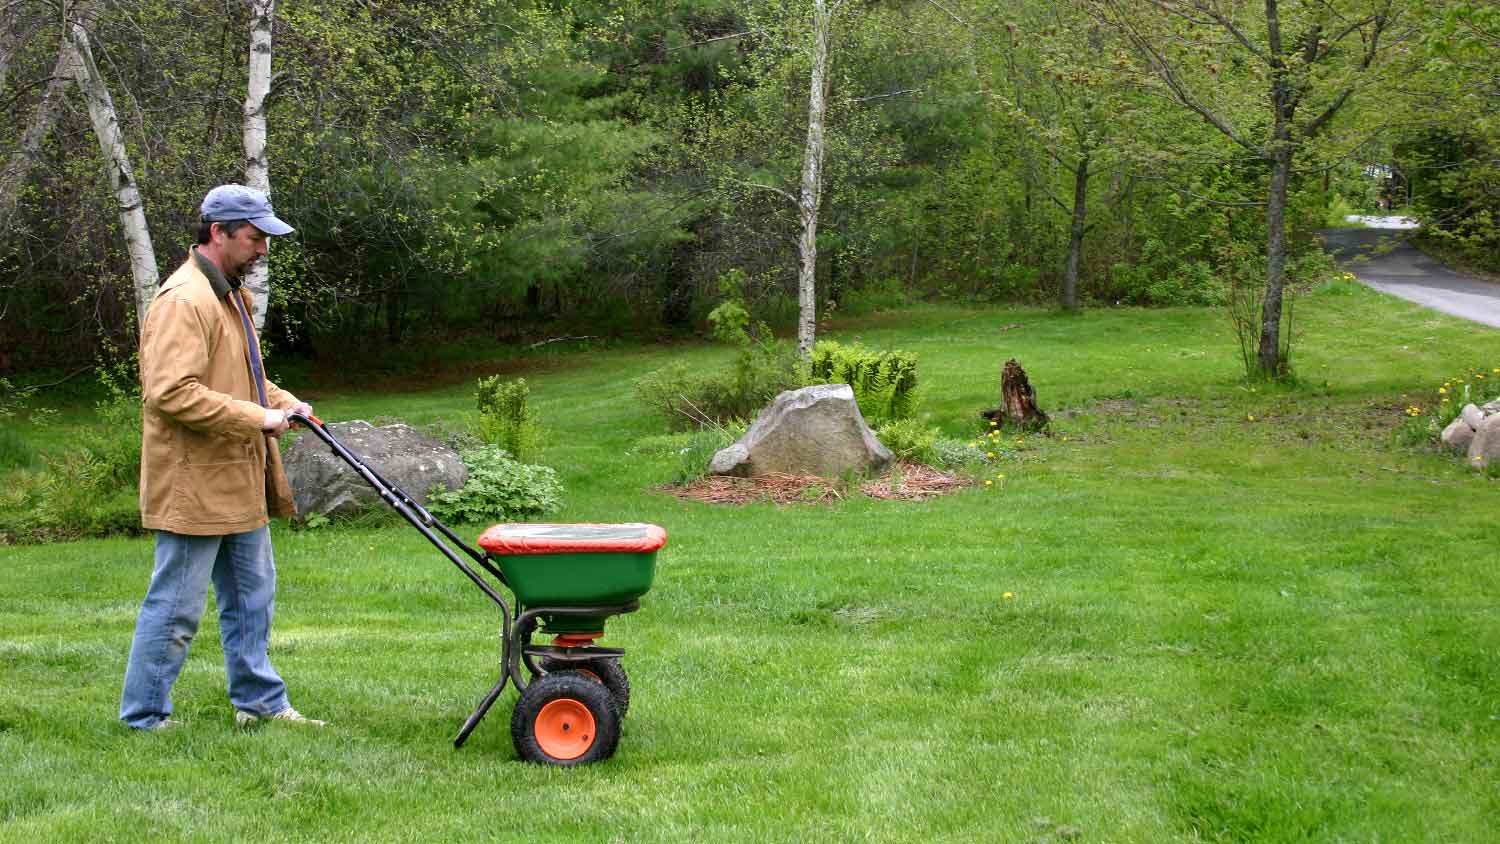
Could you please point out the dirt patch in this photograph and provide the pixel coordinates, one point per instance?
(913, 482)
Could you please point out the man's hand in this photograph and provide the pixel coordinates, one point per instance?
(301, 407)
(275, 423)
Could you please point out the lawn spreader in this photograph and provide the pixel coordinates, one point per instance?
(566, 579)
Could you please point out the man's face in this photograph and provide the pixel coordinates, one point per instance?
(242, 249)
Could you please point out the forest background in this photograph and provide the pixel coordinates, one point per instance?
(620, 167)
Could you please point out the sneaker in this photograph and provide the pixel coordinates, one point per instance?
(163, 724)
(250, 719)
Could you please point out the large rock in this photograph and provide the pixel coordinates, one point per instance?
(323, 483)
(812, 431)
(1485, 449)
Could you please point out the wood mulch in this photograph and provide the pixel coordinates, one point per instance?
(915, 482)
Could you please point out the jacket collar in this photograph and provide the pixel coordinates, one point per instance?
(221, 283)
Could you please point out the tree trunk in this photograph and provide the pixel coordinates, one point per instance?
(18, 168)
(1017, 401)
(812, 188)
(1075, 235)
(1271, 364)
(117, 168)
(257, 167)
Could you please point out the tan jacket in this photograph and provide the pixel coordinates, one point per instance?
(206, 467)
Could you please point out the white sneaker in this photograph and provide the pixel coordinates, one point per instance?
(163, 724)
(250, 719)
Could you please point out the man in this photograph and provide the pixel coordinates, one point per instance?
(211, 474)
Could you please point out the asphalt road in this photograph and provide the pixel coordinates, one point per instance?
(1381, 258)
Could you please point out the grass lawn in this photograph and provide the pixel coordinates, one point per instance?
(1198, 612)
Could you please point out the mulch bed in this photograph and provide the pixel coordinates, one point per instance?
(916, 482)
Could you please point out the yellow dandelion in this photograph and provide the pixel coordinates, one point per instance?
(990, 455)
(1008, 595)
(989, 483)
(1442, 391)
(1249, 418)
(1000, 477)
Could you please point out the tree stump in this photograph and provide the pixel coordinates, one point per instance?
(1017, 401)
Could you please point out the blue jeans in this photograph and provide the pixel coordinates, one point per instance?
(243, 572)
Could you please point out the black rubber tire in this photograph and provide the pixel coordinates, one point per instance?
(565, 685)
(606, 670)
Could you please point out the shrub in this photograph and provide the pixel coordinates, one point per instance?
(685, 398)
(884, 382)
(909, 439)
(498, 488)
(505, 418)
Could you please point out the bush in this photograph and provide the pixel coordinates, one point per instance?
(498, 489)
(909, 439)
(505, 418)
(884, 382)
(685, 398)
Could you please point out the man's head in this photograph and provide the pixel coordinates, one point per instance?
(236, 224)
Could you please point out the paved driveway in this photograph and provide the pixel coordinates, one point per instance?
(1381, 258)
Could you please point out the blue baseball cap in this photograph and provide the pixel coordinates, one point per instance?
(237, 202)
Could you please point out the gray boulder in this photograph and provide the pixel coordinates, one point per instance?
(812, 431)
(1485, 448)
(1472, 416)
(1458, 435)
(323, 483)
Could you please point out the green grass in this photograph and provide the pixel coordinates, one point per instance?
(1220, 629)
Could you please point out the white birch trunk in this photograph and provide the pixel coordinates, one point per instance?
(117, 167)
(257, 166)
(18, 167)
(812, 184)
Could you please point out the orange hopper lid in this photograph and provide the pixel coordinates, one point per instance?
(572, 539)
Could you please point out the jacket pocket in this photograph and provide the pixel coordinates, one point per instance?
(216, 492)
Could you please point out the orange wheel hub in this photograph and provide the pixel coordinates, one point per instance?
(564, 728)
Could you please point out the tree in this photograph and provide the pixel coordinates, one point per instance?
(1270, 82)
(257, 166)
(121, 178)
(811, 195)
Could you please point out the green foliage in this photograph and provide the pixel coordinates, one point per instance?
(884, 382)
(498, 489)
(689, 452)
(684, 397)
(505, 417)
(950, 453)
(880, 295)
(763, 367)
(909, 439)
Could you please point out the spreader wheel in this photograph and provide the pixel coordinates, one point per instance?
(564, 718)
(607, 672)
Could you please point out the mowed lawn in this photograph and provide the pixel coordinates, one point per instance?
(1197, 612)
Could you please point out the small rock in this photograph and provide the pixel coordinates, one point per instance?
(1472, 415)
(1458, 435)
(1485, 447)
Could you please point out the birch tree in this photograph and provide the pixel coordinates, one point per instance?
(85, 71)
(257, 166)
(43, 116)
(811, 196)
